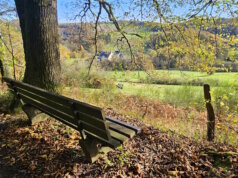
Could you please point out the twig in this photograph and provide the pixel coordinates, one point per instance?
(202, 8)
(7, 11)
(95, 37)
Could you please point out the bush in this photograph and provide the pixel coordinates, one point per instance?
(76, 74)
(226, 99)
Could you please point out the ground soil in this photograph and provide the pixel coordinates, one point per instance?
(50, 149)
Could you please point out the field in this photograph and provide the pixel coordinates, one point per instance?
(169, 100)
(176, 87)
(177, 77)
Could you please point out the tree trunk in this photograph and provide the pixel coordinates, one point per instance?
(39, 27)
(210, 114)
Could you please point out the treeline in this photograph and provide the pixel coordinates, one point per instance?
(161, 47)
(184, 46)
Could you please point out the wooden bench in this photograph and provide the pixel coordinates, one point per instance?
(99, 133)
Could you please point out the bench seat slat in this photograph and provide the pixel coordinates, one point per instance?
(121, 129)
(82, 116)
(83, 107)
(52, 104)
(95, 130)
(91, 120)
(121, 138)
(136, 129)
(63, 117)
(48, 109)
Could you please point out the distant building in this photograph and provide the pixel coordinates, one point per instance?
(109, 55)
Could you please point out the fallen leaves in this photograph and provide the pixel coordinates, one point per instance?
(44, 156)
(51, 149)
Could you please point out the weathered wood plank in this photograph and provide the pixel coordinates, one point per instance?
(121, 138)
(65, 109)
(91, 120)
(68, 120)
(82, 107)
(136, 129)
(121, 129)
(95, 130)
(46, 101)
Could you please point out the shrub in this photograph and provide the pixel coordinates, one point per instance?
(76, 74)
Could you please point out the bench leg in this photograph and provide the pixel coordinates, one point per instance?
(92, 149)
(34, 115)
(14, 103)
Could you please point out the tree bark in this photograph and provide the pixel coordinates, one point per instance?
(1, 69)
(39, 27)
(210, 114)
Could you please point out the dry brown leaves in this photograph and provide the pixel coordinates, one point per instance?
(156, 109)
(51, 150)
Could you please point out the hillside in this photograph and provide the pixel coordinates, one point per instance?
(153, 44)
(35, 151)
(78, 42)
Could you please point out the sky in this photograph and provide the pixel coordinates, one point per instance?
(66, 12)
(63, 11)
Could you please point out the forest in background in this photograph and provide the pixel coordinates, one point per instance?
(188, 48)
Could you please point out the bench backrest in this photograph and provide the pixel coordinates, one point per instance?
(76, 114)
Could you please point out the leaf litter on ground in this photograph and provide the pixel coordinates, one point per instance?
(51, 149)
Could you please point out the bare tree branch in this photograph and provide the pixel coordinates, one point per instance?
(95, 36)
(4, 12)
(202, 8)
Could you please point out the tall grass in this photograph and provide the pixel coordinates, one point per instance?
(99, 88)
(76, 74)
(185, 96)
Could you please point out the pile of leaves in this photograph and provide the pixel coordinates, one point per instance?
(52, 149)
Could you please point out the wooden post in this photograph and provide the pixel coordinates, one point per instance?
(210, 114)
(1, 69)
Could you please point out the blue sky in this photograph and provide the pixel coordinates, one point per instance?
(66, 12)
(63, 11)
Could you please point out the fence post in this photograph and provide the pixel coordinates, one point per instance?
(1, 69)
(210, 114)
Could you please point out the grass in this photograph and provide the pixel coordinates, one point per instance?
(190, 120)
(175, 77)
(137, 83)
(177, 109)
(174, 94)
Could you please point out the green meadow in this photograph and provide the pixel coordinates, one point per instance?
(176, 77)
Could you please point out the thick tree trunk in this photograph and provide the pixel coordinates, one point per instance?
(39, 26)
